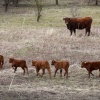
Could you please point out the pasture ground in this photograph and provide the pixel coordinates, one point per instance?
(24, 38)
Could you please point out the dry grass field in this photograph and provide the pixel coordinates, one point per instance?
(24, 38)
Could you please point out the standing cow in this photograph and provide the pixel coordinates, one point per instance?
(78, 23)
(90, 66)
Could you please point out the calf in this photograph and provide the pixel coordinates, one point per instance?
(90, 66)
(18, 63)
(41, 65)
(1, 61)
(61, 65)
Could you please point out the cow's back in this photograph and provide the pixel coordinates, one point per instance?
(42, 64)
(95, 65)
(62, 64)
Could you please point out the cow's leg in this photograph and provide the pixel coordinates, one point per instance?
(37, 71)
(64, 73)
(71, 31)
(88, 31)
(89, 74)
(0, 66)
(60, 72)
(92, 73)
(15, 69)
(66, 70)
(26, 69)
(43, 71)
(75, 31)
(23, 70)
(55, 72)
(2, 62)
(49, 71)
(99, 72)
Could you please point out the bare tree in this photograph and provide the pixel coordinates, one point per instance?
(57, 2)
(39, 8)
(15, 2)
(96, 3)
(7, 2)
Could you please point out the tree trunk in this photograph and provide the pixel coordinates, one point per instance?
(6, 5)
(57, 2)
(16, 2)
(39, 8)
(96, 3)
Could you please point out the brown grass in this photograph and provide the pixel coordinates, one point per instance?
(49, 43)
(20, 37)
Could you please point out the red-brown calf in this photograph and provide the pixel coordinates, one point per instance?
(1, 61)
(90, 66)
(61, 65)
(18, 63)
(41, 65)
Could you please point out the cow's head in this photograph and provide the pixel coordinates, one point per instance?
(11, 60)
(66, 20)
(33, 63)
(84, 64)
(53, 62)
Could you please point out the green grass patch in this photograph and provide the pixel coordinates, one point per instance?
(51, 16)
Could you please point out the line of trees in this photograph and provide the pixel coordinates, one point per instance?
(15, 2)
(7, 2)
(39, 5)
(96, 1)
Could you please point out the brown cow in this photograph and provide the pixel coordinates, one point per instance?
(41, 65)
(78, 23)
(1, 61)
(18, 63)
(90, 66)
(61, 65)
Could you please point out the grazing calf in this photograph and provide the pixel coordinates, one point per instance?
(41, 65)
(90, 66)
(61, 65)
(18, 63)
(1, 61)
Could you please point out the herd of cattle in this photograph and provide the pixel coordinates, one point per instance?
(72, 25)
(59, 65)
(78, 23)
